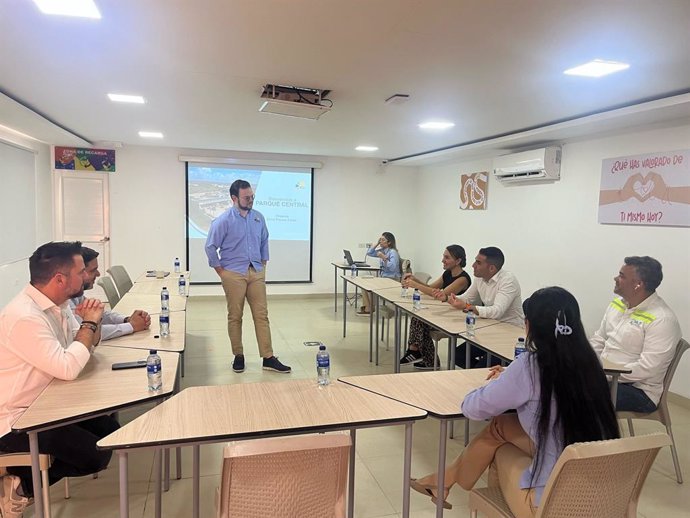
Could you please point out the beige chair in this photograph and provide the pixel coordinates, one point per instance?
(303, 476)
(121, 278)
(14, 460)
(601, 479)
(110, 291)
(661, 413)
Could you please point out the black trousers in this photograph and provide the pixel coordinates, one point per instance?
(73, 448)
(477, 357)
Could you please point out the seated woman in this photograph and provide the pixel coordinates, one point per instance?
(561, 396)
(387, 252)
(420, 346)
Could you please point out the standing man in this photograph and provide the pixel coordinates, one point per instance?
(496, 294)
(113, 324)
(237, 248)
(639, 331)
(41, 340)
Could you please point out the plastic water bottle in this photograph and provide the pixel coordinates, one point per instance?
(323, 366)
(416, 300)
(353, 270)
(177, 265)
(182, 285)
(154, 370)
(164, 320)
(520, 347)
(403, 292)
(165, 298)
(470, 321)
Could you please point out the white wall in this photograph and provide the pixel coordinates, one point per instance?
(14, 275)
(354, 201)
(549, 232)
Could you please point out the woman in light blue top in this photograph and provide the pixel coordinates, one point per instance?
(387, 252)
(561, 396)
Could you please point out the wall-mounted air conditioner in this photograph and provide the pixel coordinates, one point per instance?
(528, 166)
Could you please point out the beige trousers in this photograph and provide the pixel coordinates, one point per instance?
(250, 286)
(505, 444)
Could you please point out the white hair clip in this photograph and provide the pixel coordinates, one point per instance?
(563, 329)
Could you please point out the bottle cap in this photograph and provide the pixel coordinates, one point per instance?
(322, 347)
(153, 351)
(165, 288)
(521, 339)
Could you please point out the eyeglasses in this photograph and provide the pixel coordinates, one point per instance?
(247, 198)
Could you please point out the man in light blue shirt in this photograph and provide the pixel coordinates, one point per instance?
(237, 248)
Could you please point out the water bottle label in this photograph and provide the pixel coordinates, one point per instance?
(323, 362)
(470, 320)
(519, 350)
(153, 369)
(164, 319)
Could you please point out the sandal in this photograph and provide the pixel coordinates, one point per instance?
(429, 491)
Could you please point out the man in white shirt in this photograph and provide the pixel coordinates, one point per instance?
(639, 331)
(40, 340)
(495, 294)
(113, 324)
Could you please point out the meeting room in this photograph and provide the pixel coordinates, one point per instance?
(344, 259)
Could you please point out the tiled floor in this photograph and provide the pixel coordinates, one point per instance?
(379, 451)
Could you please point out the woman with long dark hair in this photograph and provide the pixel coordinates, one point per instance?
(454, 281)
(561, 395)
(387, 252)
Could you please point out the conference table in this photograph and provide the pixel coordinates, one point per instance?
(247, 411)
(438, 393)
(346, 268)
(97, 391)
(149, 276)
(149, 302)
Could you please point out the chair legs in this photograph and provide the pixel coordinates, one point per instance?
(46, 493)
(67, 495)
(630, 428)
(674, 454)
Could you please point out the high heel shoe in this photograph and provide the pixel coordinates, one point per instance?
(429, 491)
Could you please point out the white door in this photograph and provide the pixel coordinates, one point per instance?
(82, 213)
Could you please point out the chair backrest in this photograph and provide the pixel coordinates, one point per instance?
(405, 266)
(303, 476)
(423, 277)
(121, 278)
(601, 479)
(682, 346)
(107, 284)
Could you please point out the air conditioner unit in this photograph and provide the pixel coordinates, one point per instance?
(529, 166)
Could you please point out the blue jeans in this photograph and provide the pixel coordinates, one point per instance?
(632, 399)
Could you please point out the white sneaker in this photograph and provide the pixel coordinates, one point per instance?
(12, 505)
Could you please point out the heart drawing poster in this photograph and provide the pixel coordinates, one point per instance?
(651, 189)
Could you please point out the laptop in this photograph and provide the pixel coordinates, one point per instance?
(350, 262)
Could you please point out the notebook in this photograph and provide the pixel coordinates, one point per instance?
(350, 262)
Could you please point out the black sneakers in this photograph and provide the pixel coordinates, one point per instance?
(272, 364)
(411, 357)
(238, 364)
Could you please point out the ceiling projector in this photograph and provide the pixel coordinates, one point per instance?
(295, 101)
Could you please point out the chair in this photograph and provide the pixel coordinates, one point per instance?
(601, 479)
(661, 413)
(110, 291)
(121, 278)
(9, 460)
(303, 476)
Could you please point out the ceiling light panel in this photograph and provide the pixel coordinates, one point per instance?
(366, 148)
(436, 125)
(123, 98)
(78, 8)
(150, 134)
(596, 68)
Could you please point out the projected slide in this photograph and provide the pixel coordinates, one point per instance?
(283, 197)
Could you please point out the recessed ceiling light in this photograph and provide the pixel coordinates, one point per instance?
(596, 68)
(123, 98)
(151, 134)
(366, 148)
(436, 125)
(80, 8)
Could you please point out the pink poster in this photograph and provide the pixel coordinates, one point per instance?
(650, 189)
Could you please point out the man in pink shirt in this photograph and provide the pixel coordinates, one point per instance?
(40, 339)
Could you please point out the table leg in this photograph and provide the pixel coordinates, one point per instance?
(158, 469)
(351, 476)
(453, 344)
(344, 307)
(614, 388)
(378, 322)
(196, 459)
(407, 467)
(124, 489)
(166, 470)
(36, 473)
(396, 339)
(441, 468)
(374, 301)
(335, 289)
(182, 364)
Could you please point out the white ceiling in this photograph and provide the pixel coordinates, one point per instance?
(494, 67)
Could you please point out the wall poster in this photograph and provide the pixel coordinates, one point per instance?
(474, 191)
(84, 159)
(649, 189)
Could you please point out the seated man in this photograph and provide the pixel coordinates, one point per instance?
(40, 340)
(113, 324)
(639, 331)
(496, 294)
